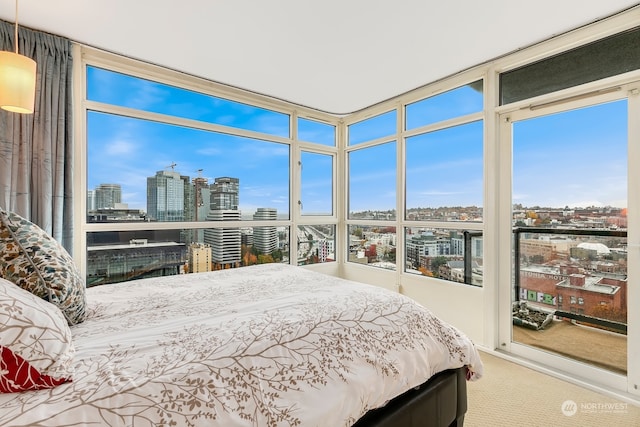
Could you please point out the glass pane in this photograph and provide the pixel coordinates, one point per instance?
(571, 160)
(373, 245)
(318, 132)
(572, 289)
(454, 103)
(570, 216)
(317, 184)
(161, 172)
(454, 255)
(444, 174)
(372, 182)
(123, 90)
(119, 256)
(373, 128)
(316, 243)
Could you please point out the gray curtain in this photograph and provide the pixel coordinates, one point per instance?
(36, 152)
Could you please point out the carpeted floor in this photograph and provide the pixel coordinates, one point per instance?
(512, 395)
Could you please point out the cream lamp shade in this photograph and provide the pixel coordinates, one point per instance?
(17, 82)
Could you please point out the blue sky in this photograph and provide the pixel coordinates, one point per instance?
(576, 158)
(126, 150)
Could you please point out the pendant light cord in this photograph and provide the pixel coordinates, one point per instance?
(16, 29)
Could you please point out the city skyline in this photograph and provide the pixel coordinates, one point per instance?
(516, 205)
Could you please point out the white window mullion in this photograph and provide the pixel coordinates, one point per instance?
(633, 241)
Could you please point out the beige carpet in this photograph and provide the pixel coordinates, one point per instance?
(512, 395)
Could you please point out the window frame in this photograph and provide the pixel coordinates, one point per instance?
(92, 57)
(399, 275)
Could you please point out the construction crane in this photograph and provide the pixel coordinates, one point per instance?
(172, 166)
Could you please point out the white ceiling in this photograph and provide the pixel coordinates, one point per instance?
(337, 56)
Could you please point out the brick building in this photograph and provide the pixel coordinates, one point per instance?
(567, 289)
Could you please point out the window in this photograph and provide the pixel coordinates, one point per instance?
(119, 89)
(118, 256)
(573, 299)
(454, 255)
(317, 184)
(444, 174)
(444, 183)
(372, 175)
(316, 243)
(163, 172)
(457, 102)
(373, 245)
(580, 300)
(157, 153)
(372, 182)
(314, 131)
(372, 128)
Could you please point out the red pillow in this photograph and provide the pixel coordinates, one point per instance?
(36, 346)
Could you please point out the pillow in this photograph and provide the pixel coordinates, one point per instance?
(36, 347)
(33, 260)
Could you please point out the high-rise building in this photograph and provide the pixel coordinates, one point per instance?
(323, 250)
(225, 242)
(201, 198)
(201, 204)
(165, 196)
(199, 257)
(91, 200)
(107, 195)
(225, 194)
(188, 235)
(265, 238)
(188, 198)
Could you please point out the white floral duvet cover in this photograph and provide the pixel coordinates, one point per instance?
(268, 345)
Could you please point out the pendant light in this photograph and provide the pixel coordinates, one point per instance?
(17, 79)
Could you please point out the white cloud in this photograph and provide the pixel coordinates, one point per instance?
(120, 147)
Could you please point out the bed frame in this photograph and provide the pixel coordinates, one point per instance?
(439, 402)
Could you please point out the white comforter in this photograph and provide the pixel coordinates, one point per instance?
(269, 345)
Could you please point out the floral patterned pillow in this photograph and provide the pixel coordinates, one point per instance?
(36, 347)
(33, 260)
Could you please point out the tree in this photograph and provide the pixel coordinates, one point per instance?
(425, 272)
(277, 255)
(392, 254)
(265, 259)
(249, 259)
(437, 262)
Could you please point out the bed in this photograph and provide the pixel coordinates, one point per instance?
(267, 345)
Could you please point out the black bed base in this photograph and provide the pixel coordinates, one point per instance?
(439, 402)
